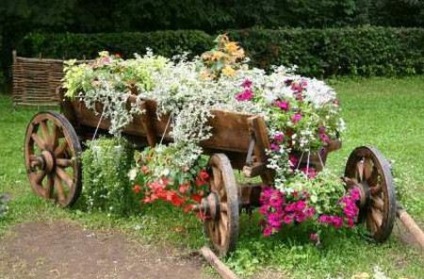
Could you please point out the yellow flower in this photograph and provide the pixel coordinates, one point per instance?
(217, 55)
(231, 47)
(228, 71)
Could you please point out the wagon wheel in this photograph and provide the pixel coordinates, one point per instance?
(52, 151)
(222, 222)
(368, 169)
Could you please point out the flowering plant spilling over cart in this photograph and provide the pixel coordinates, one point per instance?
(195, 122)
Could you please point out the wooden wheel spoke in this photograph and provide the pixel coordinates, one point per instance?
(222, 228)
(217, 180)
(64, 177)
(368, 169)
(45, 131)
(38, 141)
(378, 203)
(55, 137)
(60, 148)
(377, 217)
(373, 177)
(372, 226)
(64, 163)
(360, 170)
(59, 189)
(49, 186)
(376, 189)
(223, 207)
(38, 177)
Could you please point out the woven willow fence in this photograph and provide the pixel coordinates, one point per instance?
(35, 80)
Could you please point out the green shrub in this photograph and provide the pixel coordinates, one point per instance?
(106, 185)
(68, 45)
(365, 51)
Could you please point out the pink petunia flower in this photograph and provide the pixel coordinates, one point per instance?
(296, 118)
(284, 105)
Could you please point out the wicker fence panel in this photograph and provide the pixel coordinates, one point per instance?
(35, 80)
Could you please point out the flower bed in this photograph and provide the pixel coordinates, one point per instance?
(302, 116)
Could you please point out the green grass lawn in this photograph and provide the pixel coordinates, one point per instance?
(386, 113)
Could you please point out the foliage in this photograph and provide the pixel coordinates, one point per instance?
(109, 81)
(364, 51)
(81, 46)
(106, 163)
(302, 115)
(158, 176)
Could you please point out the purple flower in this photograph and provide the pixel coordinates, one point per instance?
(324, 137)
(287, 219)
(300, 205)
(274, 220)
(296, 118)
(268, 231)
(324, 219)
(279, 137)
(300, 217)
(276, 202)
(246, 95)
(290, 207)
(246, 83)
(284, 105)
(274, 147)
(337, 221)
(310, 211)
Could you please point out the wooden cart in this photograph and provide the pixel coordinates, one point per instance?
(53, 151)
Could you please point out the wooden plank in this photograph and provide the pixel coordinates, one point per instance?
(411, 226)
(259, 131)
(216, 263)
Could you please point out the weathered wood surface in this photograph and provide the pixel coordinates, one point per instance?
(411, 226)
(216, 263)
(230, 130)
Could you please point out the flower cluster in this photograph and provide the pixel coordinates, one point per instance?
(156, 178)
(224, 59)
(280, 209)
(302, 115)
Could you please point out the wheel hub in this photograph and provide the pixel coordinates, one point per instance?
(45, 161)
(210, 206)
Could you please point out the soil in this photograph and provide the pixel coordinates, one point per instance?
(60, 249)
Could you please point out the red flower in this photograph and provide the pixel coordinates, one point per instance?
(177, 200)
(202, 178)
(136, 189)
(184, 188)
(197, 198)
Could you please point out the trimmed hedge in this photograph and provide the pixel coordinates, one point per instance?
(364, 51)
(80, 46)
